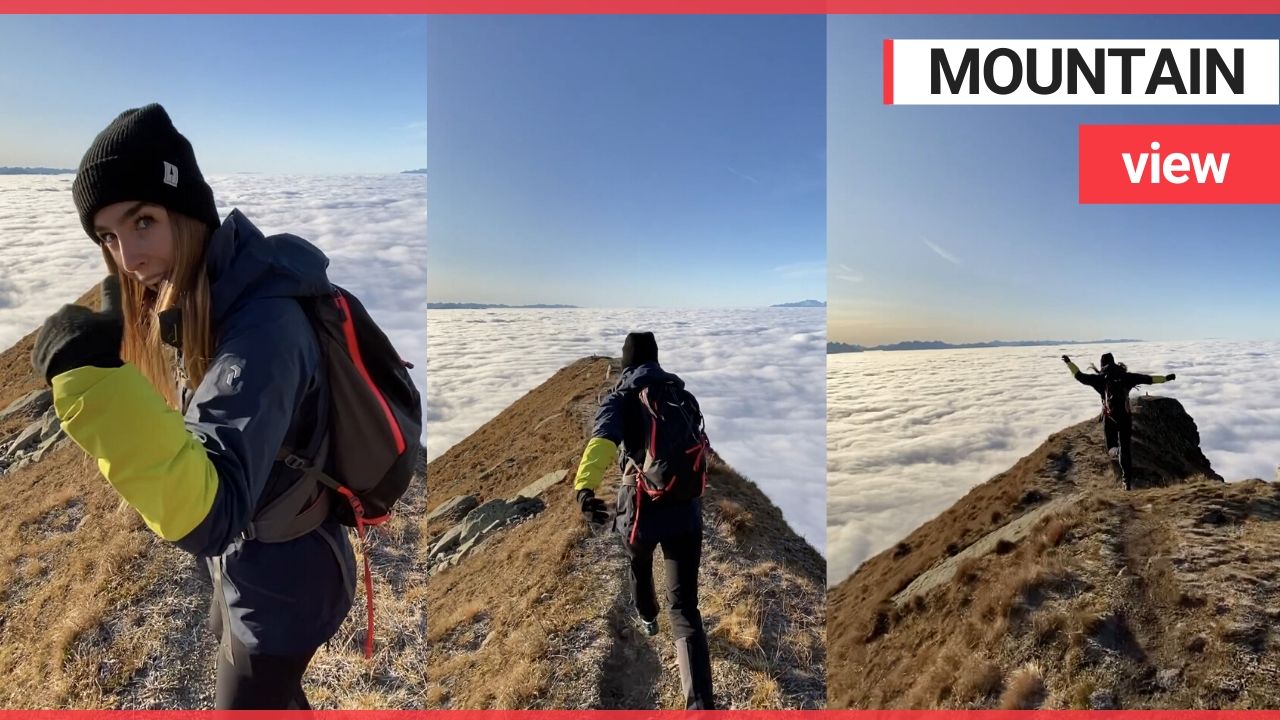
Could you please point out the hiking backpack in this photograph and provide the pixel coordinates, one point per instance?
(362, 459)
(375, 416)
(1115, 393)
(671, 463)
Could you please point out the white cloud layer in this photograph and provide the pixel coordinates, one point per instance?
(909, 433)
(373, 228)
(759, 375)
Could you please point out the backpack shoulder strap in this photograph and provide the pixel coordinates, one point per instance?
(303, 506)
(693, 401)
(300, 509)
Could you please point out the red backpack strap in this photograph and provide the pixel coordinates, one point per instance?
(357, 510)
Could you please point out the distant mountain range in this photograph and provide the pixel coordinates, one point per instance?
(419, 171)
(834, 348)
(803, 304)
(35, 171)
(839, 347)
(493, 306)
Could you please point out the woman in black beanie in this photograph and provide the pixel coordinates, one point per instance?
(200, 366)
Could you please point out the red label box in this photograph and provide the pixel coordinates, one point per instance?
(1179, 164)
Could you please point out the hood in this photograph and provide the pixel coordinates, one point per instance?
(645, 375)
(1115, 370)
(243, 263)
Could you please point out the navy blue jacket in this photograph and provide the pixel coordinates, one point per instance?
(263, 389)
(618, 420)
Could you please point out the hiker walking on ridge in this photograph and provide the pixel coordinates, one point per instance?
(1113, 383)
(655, 427)
(232, 462)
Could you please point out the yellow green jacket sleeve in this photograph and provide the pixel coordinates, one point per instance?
(602, 450)
(197, 478)
(597, 458)
(150, 458)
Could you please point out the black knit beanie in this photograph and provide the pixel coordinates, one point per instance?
(142, 157)
(1106, 360)
(639, 348)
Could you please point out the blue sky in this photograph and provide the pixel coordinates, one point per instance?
(993, 189)
(280, 94)
(627, 161)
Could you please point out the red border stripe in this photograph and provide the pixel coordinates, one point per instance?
(639, 715)
(888, 71)
(616, 7)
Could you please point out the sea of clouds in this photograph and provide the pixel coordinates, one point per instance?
(759, 376)
(372, 227)
(910, 432)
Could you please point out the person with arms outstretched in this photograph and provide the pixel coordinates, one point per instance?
(1113, 382)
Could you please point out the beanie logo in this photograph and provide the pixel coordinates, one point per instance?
(170, 174)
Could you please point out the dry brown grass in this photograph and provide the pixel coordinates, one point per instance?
(742, 626)
(979, 679)
(463, 613)
(1022, 589)
(934, 684)
(997, 630)
(734, 517)
(1049, 626)
(1055, 529)
(1025, 689)
(60, 581)
(967, 572)
(436, 695)
(1080, 694)
(766, 693)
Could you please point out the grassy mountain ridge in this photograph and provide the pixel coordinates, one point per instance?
(536, 615)
(1050, 586)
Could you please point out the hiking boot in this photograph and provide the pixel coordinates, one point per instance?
(648, 627)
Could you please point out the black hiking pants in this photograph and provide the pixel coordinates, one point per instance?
(1119, 434)
(681, 556)
(260, 682)
(253, 681)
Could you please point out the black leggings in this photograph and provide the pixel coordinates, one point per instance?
(260, 682)
(682, 555)
(253, 681)
(1119, 434)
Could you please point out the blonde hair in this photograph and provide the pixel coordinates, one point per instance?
(186, 288)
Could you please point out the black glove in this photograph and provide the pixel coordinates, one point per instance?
(1066, 359)
(76, 336)
(1169, 377)
(593, 508)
